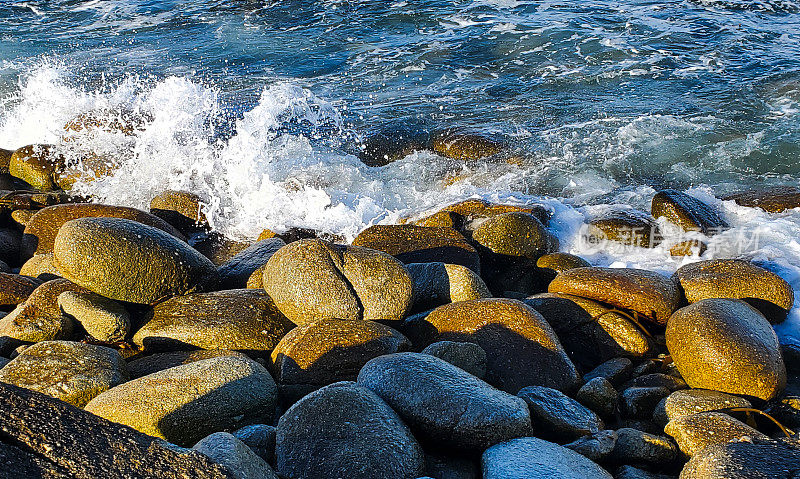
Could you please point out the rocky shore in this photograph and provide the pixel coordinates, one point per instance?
(458, 344)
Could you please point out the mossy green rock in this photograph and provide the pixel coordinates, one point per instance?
(331, 350)
(646, 292)
(40, 232)
(738, 279)
(186, 403)
(726, 345)
(521, 347)
(314, 279)
(128, 261)
(39, 317)
(515, 234)
(237, 319)
(70, 371)
(687, 212)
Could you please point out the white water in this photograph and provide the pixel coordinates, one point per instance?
(262, 177)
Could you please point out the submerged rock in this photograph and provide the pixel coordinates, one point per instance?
(130, 261)
(687, 212)
(393, 142)
(462, 145)
(628, 227)
(772, 200)
(726, 345)
(345, 430)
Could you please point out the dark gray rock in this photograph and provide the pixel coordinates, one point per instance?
(595, 446)
(654, 380)
(555, 414)
(44, 437)
(225, 449)
(260, 438)
(533, 458)
(451, 467)
(755, 459)
(638, 447)
(233, 274)
(630, 472)
(616, 371)
(599, 396)
(639, 403)
(445, 404)
(468, 356)
(345, 430)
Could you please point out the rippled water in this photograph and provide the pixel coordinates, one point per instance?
(260, 105)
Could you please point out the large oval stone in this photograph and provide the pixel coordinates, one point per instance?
(516, 235)
(331, 350)
(687, 212)
(238, 319)
(419, 244)
(739, 279)
(651, 294)
(728, 346)
(445, 404)
(40, 232)
(521, 347)
(186, 403)
(128, 261)
(533, 458)
(314, 279)
(70, 371)
(39, 318)
(345, 430)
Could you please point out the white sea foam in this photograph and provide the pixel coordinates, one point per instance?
(266, 175)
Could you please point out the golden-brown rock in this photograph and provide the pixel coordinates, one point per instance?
(40, 233)
(521, 347)
(129, 261)
(5, 159)
(313, 279)
(651, 294)
(419, 244)
(739, 279)
(692, 401)
(476, 208)
(39, 317)
(181, 209)
(515, 234)
(331, 350)
(695, 432)
(440, 283)
(15, 288)
(558, 262)
(66, 370)
(687, 212)
(238, 319)
(38, 165)
(462, 145)
(726, 345)
(629, 227)
(773, 200)
(39, 265)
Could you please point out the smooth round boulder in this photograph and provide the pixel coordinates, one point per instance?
(182, 209)
(441, 283)
(66, 370)
(444, 404)
(40, 232)
(687, 212)
(533, 458)
(693, 401)
(223, 448)
(755, 459)
(186, 403)
(738, 279)
(463, 145)
(521, 347)
(726, 345)
(651, 294)
(332, 350)
(468, 356)
(591, 332)
(104, 319)
(39, 317)
(144, 365)
(695, 432)
(345, 430)
(237, 319)
(313, 279)
(553, 263)
(555, 414)
(128, 261)
(260, 438)
(38, 165)
(419, 244)
(516, 235)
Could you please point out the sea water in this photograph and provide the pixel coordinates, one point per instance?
(261, 107)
